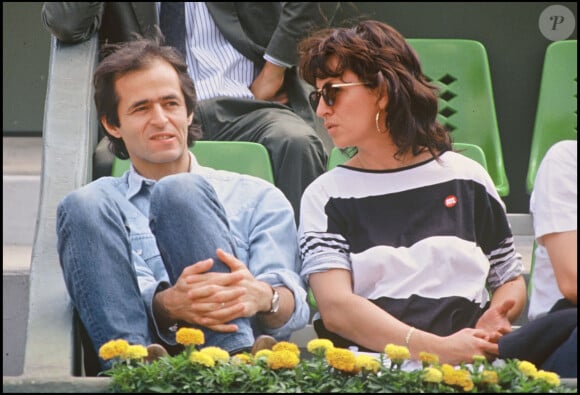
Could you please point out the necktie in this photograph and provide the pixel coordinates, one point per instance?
(172, 24)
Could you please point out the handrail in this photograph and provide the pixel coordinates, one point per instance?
(69, 139)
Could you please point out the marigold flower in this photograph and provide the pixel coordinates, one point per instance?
(467, 384)
(216, 353)
(549, 377)
(367, 363)
(319, 345)
(242, 358)
(432, 375)
(397, 354)
(489, 377)
(283, 345)
(113, 349)
(428, 358)
(459, 377)
(447, 369)
(201, 358)
(282, 359)
(479, 358)
(263, 354)
(527, 368)
(189, 336)
(136, 351)
(341, 359)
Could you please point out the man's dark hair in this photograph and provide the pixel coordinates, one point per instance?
(121, 58)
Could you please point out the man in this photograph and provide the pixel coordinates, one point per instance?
(242, 57)
(172, 243)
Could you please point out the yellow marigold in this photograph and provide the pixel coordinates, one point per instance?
(549, 377)
(464, 380)
(428, 358)
(479, 358)
(283, 345)
(527, 368)
(467, 383)
(242, 358)
(489, 377)
(447, 370)
(432, 375)
(282, 359)
(396, 353)
(189, 336)
(459, 377)
(201, 358)
(341, 359)
(367, 363)
(216, 353)
(113, 349)
(136, 351)
(319, 345)
(263, 354)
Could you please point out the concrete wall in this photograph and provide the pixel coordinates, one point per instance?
(25, 47)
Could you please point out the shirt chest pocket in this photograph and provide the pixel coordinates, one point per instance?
(144, 251)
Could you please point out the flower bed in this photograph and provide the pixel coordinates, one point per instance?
(325, 369)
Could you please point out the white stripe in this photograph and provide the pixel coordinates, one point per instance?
(215, 66)
(422, 270)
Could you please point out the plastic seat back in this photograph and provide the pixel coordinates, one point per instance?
(337, 157)
(460, 69)
(557, 110)
(237, 156)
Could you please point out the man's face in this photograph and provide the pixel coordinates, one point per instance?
(153, 120)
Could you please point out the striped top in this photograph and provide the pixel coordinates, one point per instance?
(424, 242)
(215, 66)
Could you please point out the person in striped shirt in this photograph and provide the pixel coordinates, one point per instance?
(408, 242)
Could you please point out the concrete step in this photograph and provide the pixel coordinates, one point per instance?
(22, 157)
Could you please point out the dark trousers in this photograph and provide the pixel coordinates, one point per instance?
(549, 342)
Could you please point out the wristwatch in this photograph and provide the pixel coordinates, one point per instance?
(275, 301)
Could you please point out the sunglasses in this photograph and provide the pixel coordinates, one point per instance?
(329, 92)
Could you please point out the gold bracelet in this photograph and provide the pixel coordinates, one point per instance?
(408, 336)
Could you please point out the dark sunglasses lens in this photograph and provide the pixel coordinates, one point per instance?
(314, 99)
(329, 94)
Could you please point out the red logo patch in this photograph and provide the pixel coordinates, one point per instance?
(450, 201)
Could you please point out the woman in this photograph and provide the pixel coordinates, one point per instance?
(404, 242)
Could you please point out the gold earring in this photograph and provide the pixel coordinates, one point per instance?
(377, 123)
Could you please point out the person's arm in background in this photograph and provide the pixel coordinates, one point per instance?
(562, 249)
(72, 22)
(296, 19)
(554, 208)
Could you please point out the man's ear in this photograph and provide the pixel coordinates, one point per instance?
(112, 130)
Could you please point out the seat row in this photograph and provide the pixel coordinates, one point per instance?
(459, 68)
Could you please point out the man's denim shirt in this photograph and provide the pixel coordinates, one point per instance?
(262, 225)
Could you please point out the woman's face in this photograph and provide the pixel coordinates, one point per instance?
(350, 119)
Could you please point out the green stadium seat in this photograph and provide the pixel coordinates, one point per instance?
(237, 156)
(557, 110)
(460, 69)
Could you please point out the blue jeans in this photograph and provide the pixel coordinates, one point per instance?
(189, 224)
(98, 230)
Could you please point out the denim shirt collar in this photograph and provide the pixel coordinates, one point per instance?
(136, 181)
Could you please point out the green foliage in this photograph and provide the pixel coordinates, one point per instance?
(315, 374)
